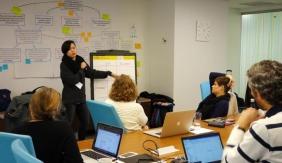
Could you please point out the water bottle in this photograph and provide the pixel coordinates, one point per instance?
(253, 103)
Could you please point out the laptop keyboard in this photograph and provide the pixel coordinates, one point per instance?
(158, 133)
(93, 154)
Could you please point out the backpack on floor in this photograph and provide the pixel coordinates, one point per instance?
(160, 105)
(5, 99)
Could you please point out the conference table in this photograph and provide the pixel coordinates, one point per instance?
(133, 141)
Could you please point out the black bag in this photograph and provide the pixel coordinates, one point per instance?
(159, 112)
(18, 112)
(160, 105)
(5, 99)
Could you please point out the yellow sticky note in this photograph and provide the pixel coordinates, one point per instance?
(138, 46)
(16, 10)
(82, 34)
(89, 34)
(106, 16)
(70, 12)
(66, 30)
(138, 63)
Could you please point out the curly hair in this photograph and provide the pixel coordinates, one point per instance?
(225, 82)
(266, 77)
(45, 103)
(123, 89)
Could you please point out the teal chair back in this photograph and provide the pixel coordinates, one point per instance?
(205, 89)
(21, 154)
(102, 112)
(6, 140)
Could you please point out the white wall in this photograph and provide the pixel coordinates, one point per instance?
(194, 60)
(160, 42)
(123, 13)
(234, 46)
(175, 67)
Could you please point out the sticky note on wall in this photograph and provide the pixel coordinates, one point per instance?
(60, 4)
(106, 16)
(5, 67)
(27, 61)
(16, 10)
(137, 45)
(70, 13)
(66, 30)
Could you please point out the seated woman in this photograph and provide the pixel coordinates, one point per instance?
(217, 103)
(123, 96)
(53, 141)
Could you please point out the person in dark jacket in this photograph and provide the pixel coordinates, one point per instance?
(217, 103)
(53, 140)
(73, 72)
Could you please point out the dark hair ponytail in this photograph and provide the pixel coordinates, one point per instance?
(225, 81)
(66, 46)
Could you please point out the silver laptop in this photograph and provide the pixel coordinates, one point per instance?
(106, 144)
(203, 148)
(175, 123)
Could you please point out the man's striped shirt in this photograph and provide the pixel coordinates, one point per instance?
(261, 143)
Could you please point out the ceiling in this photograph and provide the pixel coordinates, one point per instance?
(255, 5)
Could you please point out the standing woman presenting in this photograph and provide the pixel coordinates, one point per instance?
(73, 72)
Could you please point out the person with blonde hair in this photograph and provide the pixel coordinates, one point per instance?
(53, 140)
(123, 96)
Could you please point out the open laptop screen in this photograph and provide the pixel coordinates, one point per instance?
(203, 148)
(108, 140)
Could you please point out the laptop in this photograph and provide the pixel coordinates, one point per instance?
(175, 123)
(203, 148)
(106, 144)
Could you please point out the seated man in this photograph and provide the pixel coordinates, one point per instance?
(253, 139)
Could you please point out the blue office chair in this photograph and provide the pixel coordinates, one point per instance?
(205, 89)
(6, 140)
(21, 154)
(102, 112)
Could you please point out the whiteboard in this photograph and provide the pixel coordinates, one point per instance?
(118, 63)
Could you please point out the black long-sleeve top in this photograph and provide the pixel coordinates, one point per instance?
(212, 106)
(53, 141)
(71, 93)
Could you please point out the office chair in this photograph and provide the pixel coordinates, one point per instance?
(102, 112)
(6, 140)
(21, 154)
(205, 89)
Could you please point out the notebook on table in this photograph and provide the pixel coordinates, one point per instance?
(106, 144)
(175, 123)
(203, 148)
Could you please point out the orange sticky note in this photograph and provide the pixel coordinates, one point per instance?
(86, 39)
(60, 4)
(89, 34)
(138, 46)
(82, 34)
(70, 12)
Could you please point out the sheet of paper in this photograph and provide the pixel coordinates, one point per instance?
(79, 85)
(199, 130)
(167, 150)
